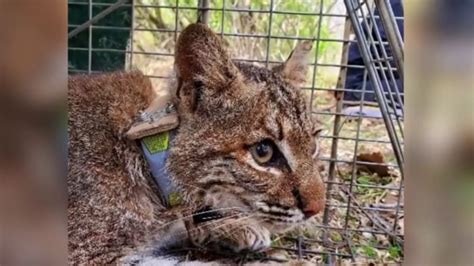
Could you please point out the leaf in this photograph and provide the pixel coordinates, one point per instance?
(374, 157)
(365, 180)
(369, 251)
(395, 252)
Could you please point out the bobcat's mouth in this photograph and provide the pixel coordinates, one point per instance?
(280, 214)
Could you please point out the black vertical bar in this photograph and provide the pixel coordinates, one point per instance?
(89, 46)
(269, 36)
(203, 11)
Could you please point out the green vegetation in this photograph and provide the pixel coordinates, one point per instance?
(368, 251)
(242, 23)
(395, 253)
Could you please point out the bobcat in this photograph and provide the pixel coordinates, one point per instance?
(244, 151)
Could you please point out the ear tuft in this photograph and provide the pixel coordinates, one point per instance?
(295, 68)
(201, 57)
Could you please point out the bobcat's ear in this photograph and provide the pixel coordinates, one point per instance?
(201, 60)
(296, 66)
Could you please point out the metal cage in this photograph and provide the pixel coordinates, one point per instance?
(362, 144)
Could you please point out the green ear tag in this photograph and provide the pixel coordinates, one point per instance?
(157, 143)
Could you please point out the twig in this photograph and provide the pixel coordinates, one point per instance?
(298, 244)
(349, 244)
(374, 220)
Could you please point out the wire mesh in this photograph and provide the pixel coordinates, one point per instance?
(361, 151)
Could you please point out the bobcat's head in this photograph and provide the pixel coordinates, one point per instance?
(245, 139)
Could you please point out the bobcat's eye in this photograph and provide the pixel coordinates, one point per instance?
(262, 152)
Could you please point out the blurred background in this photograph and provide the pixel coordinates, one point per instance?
(440, 132)
(33, 138)
(439, 67)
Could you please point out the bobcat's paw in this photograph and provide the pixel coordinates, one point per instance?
(250, 237)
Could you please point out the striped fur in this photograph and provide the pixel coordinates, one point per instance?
(227, 107)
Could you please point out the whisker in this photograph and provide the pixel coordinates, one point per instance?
(223, 219)
(236, 228)
(185, 232)
(202, 212)
(234, 222)
(178, 236)
(193, 186)
(245, 216)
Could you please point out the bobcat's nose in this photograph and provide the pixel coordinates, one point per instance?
(312, 207)
(309, 206)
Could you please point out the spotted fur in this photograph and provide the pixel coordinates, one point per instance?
(224, 108)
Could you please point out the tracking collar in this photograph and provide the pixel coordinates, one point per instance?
(155, 129)
(156, 151)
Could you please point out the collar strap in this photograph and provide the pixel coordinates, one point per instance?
(206, 214)
(156, 150)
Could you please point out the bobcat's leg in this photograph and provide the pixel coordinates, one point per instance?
(232, 234)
